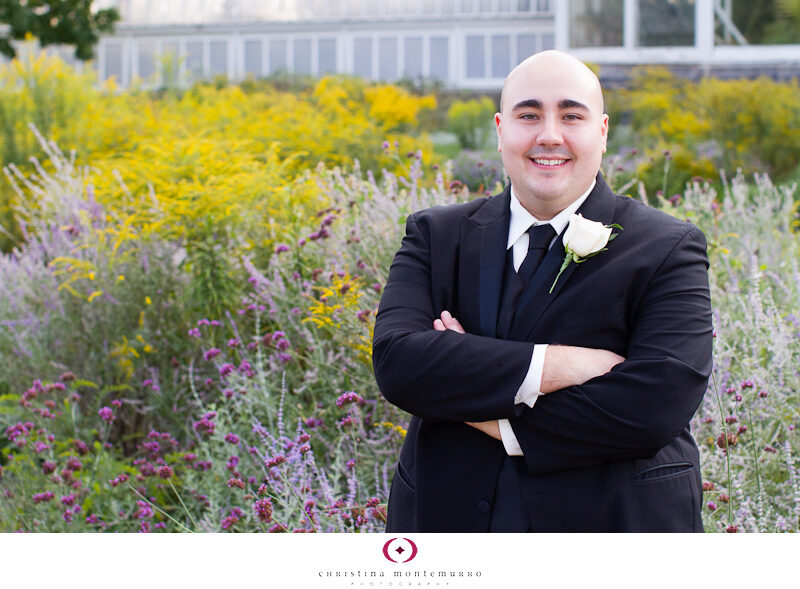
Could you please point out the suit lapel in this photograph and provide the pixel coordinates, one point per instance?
(483, 249)
(599, 206)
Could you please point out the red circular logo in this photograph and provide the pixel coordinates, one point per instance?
(400, 550)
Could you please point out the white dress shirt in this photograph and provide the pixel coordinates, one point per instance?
(521, 221)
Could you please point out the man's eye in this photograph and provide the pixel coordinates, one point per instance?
(572, 117)
(528, 116)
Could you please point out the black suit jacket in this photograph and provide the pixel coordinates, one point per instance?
(613, 454)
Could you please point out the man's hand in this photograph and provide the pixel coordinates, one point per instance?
(447, 321)
(490, 428)
(566, 366)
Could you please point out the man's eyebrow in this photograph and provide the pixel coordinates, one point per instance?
(569, 103)
(529, 103)
(537, 104)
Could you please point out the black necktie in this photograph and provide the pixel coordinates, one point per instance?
(539, 238)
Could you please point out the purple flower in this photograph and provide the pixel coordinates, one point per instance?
(165, 472)
(68, 500)
(236, 482)
(275, 461)
(284, 358)
(234, 343)
(118, 480)
(212, 353)
(349, 397)
(281, 247)
(263, 509)
(226, 369)
(231, 438)
(247, 369)
(43, 497)
(48, 468)
(194, 332)
(205, 426)
(106, 414)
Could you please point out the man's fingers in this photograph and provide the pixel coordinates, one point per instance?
(451, 322)
(438, 325)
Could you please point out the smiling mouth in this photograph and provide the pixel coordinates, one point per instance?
(548, 161)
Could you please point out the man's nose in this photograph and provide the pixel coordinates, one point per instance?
(550, 132)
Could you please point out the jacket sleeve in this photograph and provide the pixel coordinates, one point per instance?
(431, 374)
(647, 400)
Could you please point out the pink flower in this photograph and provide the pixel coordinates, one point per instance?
(263, 509)
(212, 353)
(106, 414)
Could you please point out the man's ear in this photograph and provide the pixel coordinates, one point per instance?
(604, 131)
(498, 118)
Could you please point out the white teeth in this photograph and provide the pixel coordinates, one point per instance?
(549, 162)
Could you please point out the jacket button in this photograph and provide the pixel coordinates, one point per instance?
(483, 506)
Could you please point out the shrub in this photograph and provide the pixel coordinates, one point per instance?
(471, 121)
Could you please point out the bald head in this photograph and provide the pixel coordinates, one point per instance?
(551, 131)
(548, 62)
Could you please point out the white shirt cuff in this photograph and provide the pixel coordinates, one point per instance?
(510, 442)
(528, 393)
(529, 390)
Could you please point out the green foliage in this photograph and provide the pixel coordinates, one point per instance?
(470, 121)
(44, 92)
(56, 22)
(695, 129)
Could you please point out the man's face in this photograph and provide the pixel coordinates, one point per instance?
(551, 132)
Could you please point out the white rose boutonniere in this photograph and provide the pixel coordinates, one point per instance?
(584, 239)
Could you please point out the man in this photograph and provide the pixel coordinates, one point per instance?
(590, 432)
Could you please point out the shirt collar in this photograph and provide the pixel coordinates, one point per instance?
(521, 219)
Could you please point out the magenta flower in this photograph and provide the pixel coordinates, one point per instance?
(231, 438)
(263, 509)
(281, 247)
(118, 480)
(226, 369)
(106, 414)
(43, 497)
(236, 482)
(275, 461)
(206, 426)
(165, 472)
(212, 353)
(349, 397)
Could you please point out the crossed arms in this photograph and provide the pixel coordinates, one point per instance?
(590, 416)
(564, 366)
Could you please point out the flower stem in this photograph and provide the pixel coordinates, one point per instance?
(178, 495)
(564, 264)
